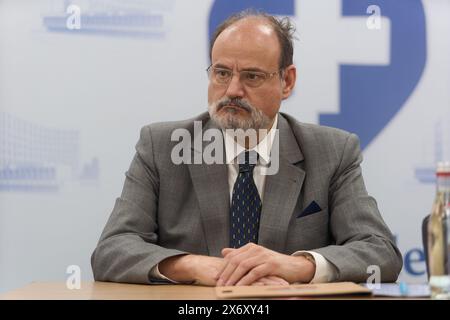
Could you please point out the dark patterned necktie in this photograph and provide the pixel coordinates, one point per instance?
(245, 203)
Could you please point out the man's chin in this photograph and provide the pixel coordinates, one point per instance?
(231, 122)
(234, 116)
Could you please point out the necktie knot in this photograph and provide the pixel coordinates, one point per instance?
(247, 161)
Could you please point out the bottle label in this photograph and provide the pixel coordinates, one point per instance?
(440, 281)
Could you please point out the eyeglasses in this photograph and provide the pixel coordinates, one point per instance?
(253, 79)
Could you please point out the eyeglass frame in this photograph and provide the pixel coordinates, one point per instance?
(268, 75)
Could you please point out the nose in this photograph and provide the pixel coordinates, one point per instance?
(235, 87)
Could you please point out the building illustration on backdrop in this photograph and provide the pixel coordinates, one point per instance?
(38, 158)
(427, 174)
(131, 18)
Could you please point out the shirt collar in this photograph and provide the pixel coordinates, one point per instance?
(233, 149)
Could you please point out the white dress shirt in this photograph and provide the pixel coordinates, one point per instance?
(325, 271)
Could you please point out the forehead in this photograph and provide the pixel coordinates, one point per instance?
(251, 42)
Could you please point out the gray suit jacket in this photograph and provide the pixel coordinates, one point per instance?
(167, 209)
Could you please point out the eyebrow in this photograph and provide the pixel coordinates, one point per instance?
(222, 66)
(253, 69)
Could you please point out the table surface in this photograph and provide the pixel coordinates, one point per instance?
(109, 291)
(120, 291)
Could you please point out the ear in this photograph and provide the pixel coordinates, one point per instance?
(288, 81)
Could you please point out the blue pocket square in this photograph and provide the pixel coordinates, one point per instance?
(313, 207)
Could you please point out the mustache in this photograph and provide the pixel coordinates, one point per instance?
(236, 102)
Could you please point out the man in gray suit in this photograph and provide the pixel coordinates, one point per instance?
(230, 223)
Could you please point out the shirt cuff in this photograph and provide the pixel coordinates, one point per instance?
(154, 273)
(325, 271)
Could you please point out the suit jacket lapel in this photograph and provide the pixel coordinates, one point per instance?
(281, 191)
(210, 183)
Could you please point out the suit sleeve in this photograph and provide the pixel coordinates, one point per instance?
(361, 237)
(127, 250)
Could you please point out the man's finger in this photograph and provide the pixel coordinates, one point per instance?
(258, 283)
(226, 251)
(232, 261)
(255, 274)
(242, 269)
(273, 280)
(235, 251)
(227, 268)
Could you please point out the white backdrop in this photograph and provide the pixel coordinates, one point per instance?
(72, 103)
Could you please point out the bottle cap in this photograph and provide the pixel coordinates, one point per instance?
(443, 168)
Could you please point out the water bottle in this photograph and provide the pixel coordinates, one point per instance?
(439, 235)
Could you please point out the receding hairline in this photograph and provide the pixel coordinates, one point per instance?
(262, 26)
(265, 23)
(265, 30)
(283, 28)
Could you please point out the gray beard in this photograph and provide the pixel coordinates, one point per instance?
(257, 120)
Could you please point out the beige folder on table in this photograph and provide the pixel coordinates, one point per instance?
(298, 290)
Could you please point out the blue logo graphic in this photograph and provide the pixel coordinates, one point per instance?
(370, 96)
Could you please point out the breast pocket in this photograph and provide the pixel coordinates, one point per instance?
(309, 232)
(313, 216)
